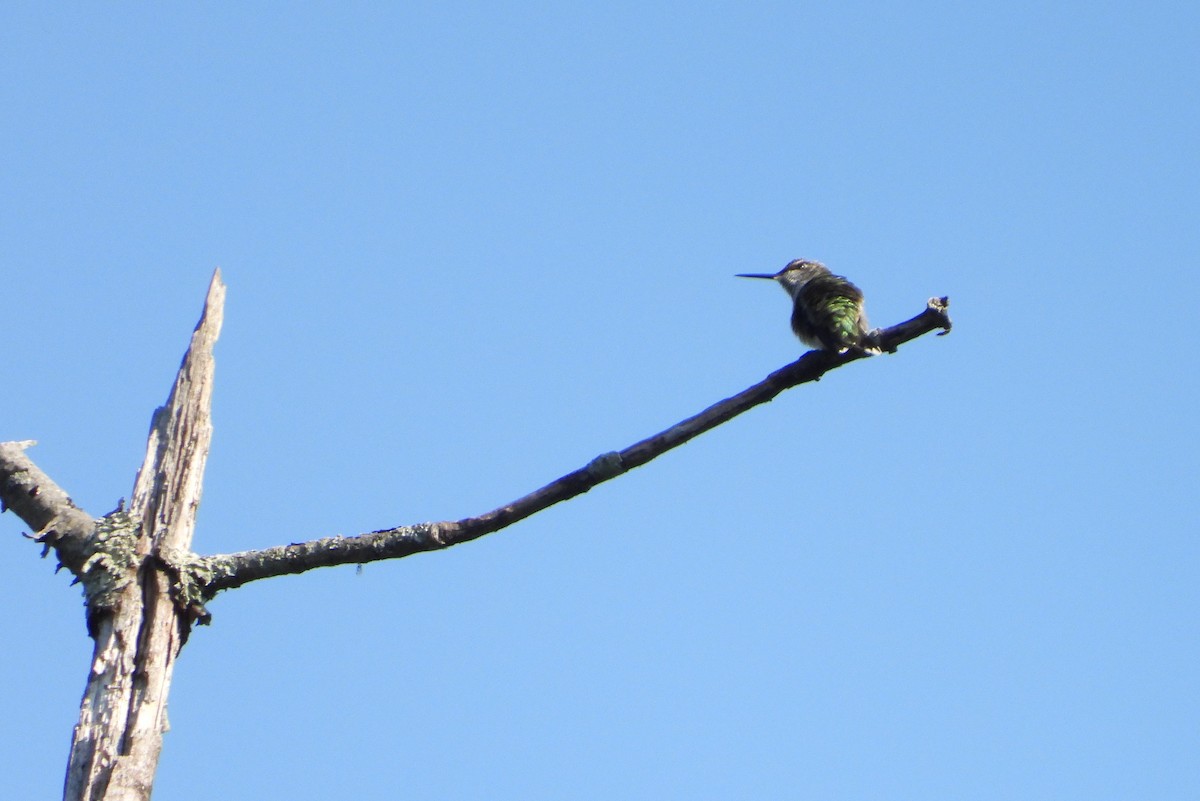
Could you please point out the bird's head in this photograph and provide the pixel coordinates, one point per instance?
(794, 276)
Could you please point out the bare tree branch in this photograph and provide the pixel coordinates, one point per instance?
(48, 511)
(226, 571)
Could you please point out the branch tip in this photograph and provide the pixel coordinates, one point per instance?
(938, 307)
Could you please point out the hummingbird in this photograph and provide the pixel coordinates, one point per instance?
(828, 309)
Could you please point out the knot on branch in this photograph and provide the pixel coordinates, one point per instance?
(605, 466)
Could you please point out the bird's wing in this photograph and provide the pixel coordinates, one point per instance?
(834, 306)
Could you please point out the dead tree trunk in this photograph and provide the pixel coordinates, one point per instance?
(145, 588)
(135, 616)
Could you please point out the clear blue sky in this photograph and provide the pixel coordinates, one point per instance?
(469, 247)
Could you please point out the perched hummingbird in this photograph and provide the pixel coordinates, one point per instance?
(828, 309)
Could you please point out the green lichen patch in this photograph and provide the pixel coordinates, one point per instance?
(189, 575)
(112, 564)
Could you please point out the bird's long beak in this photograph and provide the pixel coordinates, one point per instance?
(754, 275)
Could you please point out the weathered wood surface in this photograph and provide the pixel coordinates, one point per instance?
(138, 634)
